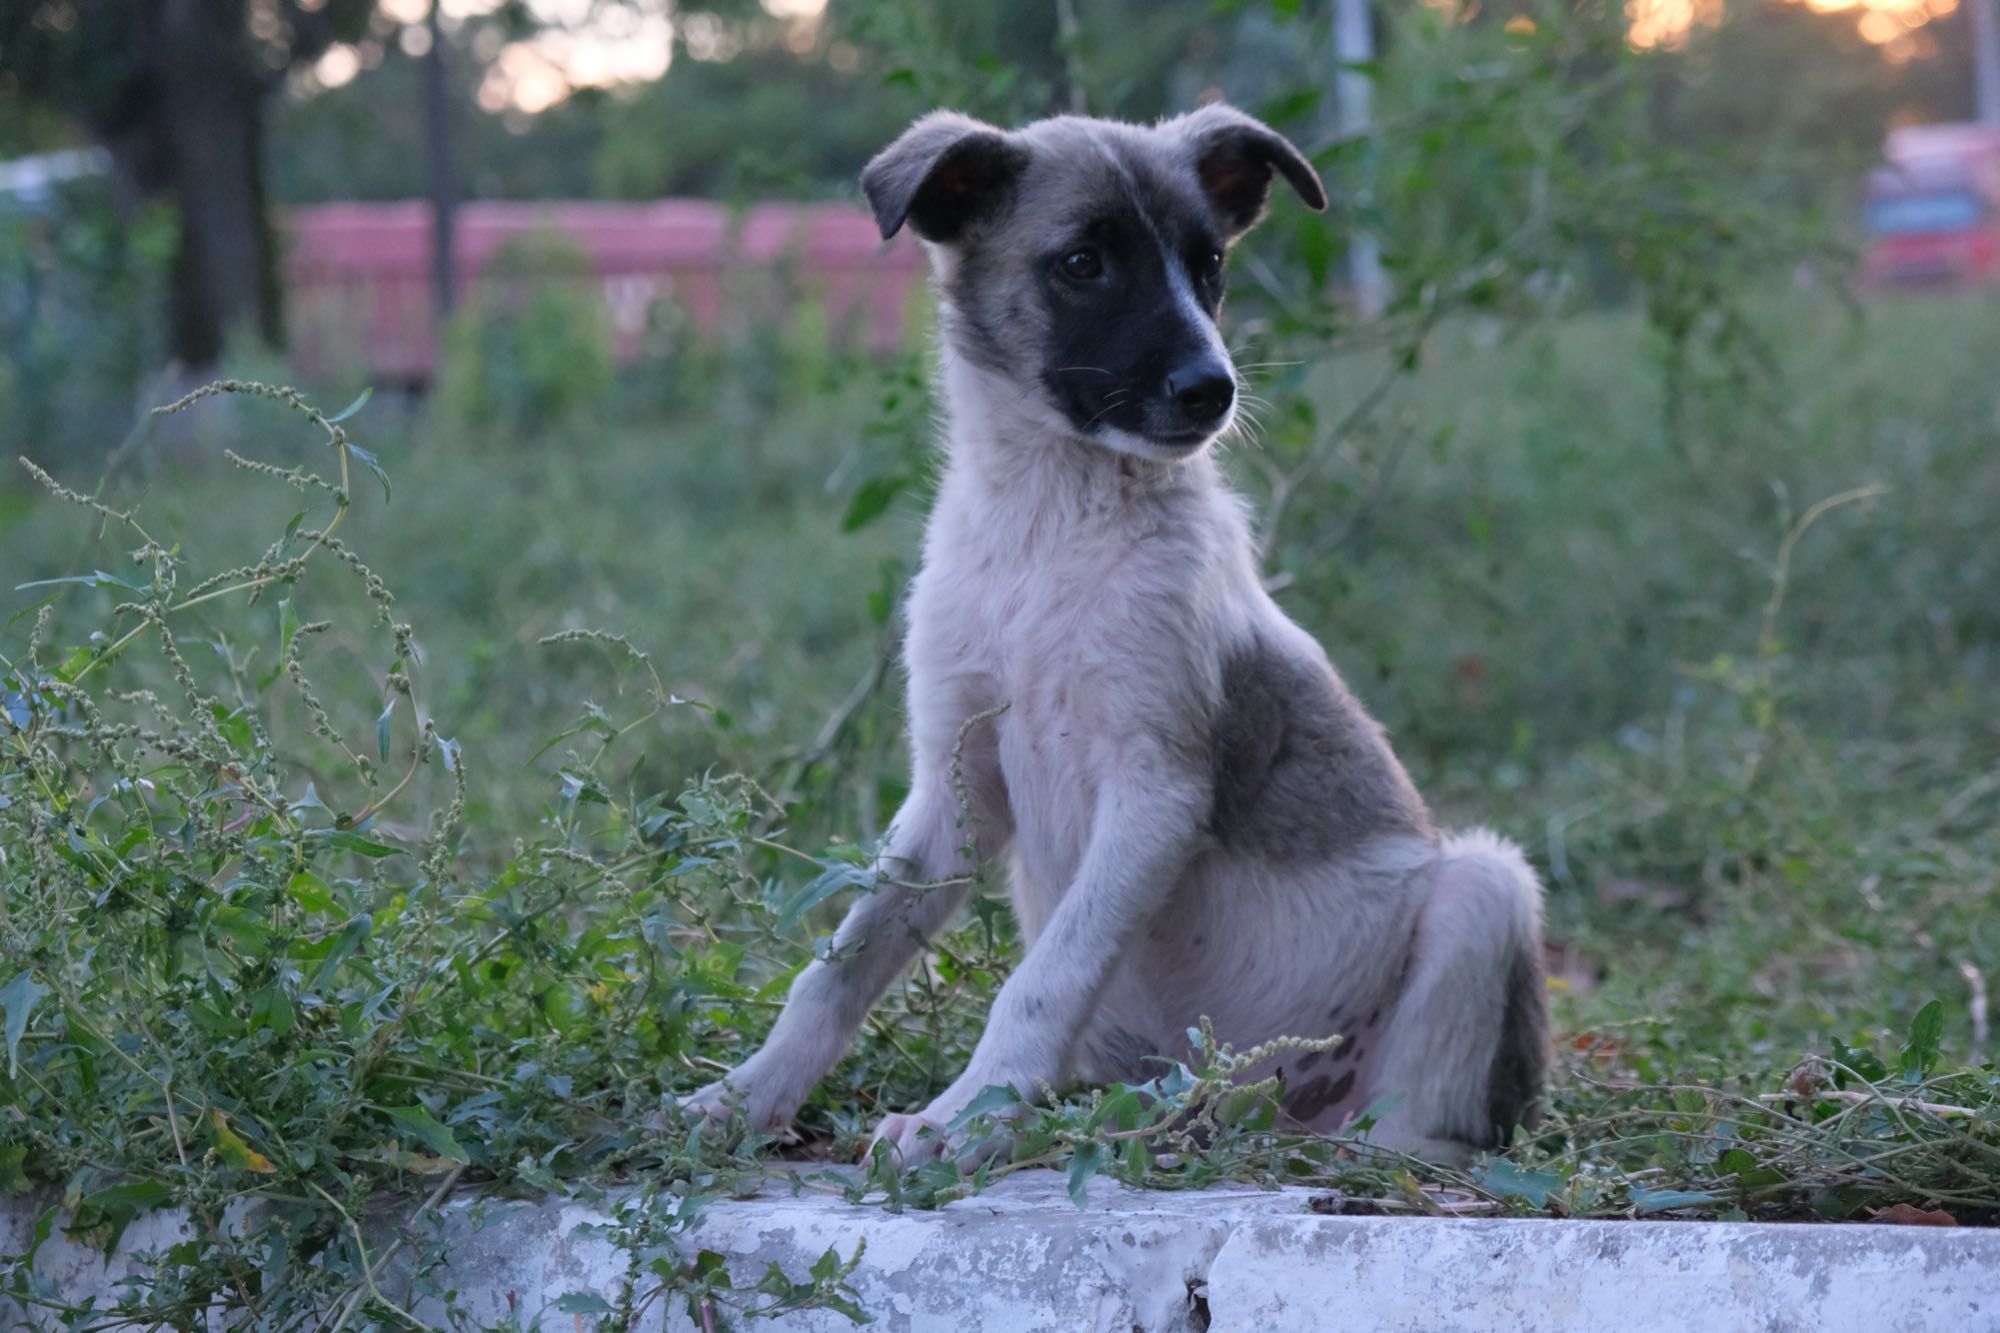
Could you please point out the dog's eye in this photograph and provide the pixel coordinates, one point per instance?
(1082, 265)
(1211, 266)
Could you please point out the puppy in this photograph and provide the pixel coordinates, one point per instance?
(1198, 818)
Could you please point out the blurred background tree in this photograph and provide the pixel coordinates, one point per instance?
(178, 91)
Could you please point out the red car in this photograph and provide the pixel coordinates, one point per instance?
(1933, 212)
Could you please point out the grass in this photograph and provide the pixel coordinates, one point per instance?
(1744, 731)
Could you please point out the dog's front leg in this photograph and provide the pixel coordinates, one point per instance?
(926, 868)
(1140, 839)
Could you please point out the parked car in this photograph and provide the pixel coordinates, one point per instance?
(1933, 208)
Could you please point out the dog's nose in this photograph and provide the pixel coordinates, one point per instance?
(1203, 389)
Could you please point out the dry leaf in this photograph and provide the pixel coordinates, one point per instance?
(1909, 1215)
(1808, 1078)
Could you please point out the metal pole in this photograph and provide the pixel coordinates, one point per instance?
(1986, 57)
(1354, 44)
(1069, 38)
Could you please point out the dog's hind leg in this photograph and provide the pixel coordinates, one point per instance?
(1465, 1049)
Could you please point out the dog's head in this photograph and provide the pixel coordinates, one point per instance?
(1081, 260)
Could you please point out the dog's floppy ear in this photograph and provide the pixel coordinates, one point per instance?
(941, 175)
(1234, 157)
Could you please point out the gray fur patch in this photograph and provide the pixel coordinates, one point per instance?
(987, 313)
(1301, 771)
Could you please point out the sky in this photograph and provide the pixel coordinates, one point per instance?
(617, 44)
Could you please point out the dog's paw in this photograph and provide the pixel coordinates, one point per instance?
(934, 1132)
(766, 1107)
(913, 1139)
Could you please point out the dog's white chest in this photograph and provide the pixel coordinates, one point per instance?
(1093, 636)
(1063, 635)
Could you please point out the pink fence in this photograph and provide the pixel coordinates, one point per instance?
(359, 274)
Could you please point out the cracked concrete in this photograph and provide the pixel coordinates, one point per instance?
(1021, 1257)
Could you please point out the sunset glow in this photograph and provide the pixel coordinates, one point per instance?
(586, 45)
(1667, 23)
(1897, 26)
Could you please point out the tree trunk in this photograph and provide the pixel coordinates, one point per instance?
(209, 128)
(442, 176)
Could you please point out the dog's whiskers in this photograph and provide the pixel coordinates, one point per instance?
(1117, 400)
(1244, 427)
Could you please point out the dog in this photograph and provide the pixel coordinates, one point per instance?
(1199, 820)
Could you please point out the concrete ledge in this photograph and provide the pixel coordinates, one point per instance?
(1231, 1260)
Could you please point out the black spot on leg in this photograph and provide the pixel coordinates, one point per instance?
(1309, 1100)
(1302, 1101)
(1119, 1055)
(1311, 1058)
